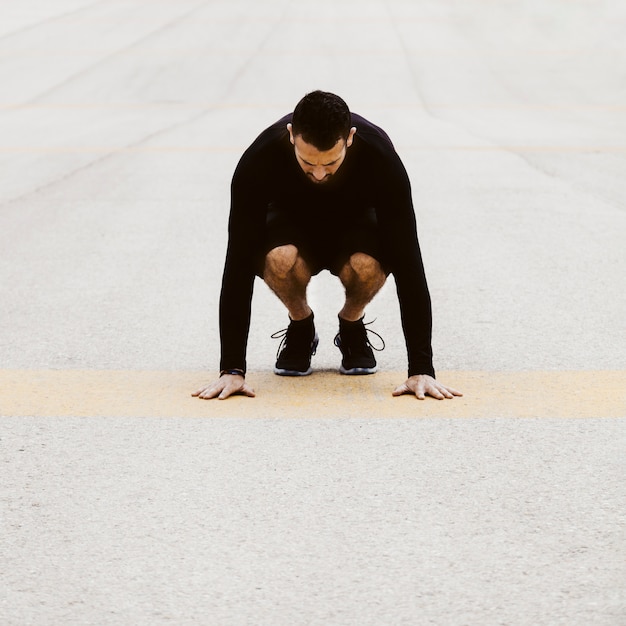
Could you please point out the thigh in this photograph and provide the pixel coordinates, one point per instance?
(358, 233)
(326, 237)
(284, 226)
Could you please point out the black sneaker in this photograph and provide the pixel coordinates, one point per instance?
(353, 341)
(298, 345)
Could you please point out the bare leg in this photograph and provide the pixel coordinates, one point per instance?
(362, 277)
(288, 276)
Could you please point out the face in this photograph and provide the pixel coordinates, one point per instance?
(320, 166)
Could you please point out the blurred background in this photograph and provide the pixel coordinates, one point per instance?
(121, 122)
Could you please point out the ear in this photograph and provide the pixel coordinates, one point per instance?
(351, 136)
(290, 129)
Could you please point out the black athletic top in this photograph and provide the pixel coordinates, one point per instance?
(372, 172)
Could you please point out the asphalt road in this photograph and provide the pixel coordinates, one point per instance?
(125, 501)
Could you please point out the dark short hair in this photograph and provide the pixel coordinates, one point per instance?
(321, 119)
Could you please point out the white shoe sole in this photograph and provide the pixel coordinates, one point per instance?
(281, 372)
(358, 371)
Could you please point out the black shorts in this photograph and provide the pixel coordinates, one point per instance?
(325, 240)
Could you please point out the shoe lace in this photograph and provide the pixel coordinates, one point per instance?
(297, 340)
(368, 332)
(282, 335)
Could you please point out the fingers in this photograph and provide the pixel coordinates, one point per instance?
(422, 391)
(247, 391)
(206, 393)
(400, 390)
(447, 392)
(416, 388)
(231, 390)
(438, 394)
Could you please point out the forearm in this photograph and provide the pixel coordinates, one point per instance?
(234, 316)
(416, 315)
(415, 307)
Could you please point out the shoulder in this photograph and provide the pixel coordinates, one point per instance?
(273, 136)
(268, 145)
(377, 148)
(375, 144)
(372, 135)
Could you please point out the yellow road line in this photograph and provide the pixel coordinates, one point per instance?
(131, 393)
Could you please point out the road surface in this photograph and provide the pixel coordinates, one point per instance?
(322, 501)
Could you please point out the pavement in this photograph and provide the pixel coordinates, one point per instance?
(323, 501)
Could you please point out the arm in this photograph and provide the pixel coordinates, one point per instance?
(396, 217)
(402, 249)
(246, 226)
(245, 231)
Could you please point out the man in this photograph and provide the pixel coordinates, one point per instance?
(323, 189)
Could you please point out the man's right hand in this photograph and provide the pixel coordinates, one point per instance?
(227, 385)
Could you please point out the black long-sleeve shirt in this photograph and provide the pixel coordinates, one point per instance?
(371, 173)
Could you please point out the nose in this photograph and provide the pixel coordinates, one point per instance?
(319, 173)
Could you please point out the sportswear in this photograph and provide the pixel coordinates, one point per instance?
(356, 349)
(298, 344)
(372, 175)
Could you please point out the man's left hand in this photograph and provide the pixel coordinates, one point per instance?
(423, 385)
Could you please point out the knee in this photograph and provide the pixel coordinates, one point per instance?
(366, 268)
(280, 261)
